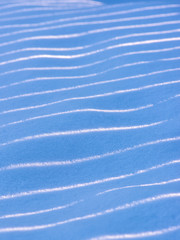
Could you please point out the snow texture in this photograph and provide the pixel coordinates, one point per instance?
(89, 120)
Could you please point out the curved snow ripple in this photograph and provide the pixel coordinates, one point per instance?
(89, 119)
(95, 215)
(80, 131)
(95, 157)
(139, 235)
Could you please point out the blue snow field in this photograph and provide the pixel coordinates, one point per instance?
(89, 120)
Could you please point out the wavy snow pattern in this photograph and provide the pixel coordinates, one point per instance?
(89, 119)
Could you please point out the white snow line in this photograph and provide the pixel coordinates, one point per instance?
(91, 84)
(15, 215)
(86, 23)
(129, 44)
(76, 24)
(94, 44)
(97, 214)
(134, 10)
(79, 111)
(140, 185)
(96, 157)
(67, 12)
(79, 131)
(92, 96)
(139, 235)
(90, 32)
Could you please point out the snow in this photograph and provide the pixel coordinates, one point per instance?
(89, 120)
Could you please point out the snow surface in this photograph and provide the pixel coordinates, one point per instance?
(89, 120)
